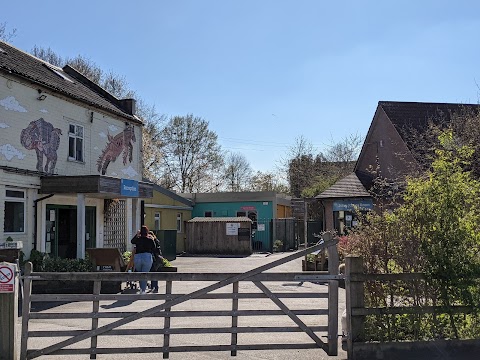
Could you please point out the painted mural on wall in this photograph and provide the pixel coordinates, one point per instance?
(116, 145)
(42, 137)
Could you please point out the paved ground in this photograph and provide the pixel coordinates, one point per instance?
(205, 265)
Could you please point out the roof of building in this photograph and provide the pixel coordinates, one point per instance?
(66, 81)
(417, 114)
(347, 187)
(170, 194)
(244, 196)
(221, 219)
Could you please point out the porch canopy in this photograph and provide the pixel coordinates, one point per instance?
(104, 186)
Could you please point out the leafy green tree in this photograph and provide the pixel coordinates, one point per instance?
(434, 230)
(443, 211)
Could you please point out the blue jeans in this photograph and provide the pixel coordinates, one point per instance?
(143, 262)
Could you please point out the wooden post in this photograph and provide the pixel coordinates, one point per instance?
(305, 223)
(97, 286)
(8, 317)
(166, 321)
(355, 298)
(332, 298)
(234, 318)
(26, 304)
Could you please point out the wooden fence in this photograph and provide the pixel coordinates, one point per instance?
(102, 324)
(358, 348)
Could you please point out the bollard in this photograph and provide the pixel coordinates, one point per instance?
(9, 279)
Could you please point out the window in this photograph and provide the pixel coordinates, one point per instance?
(75, 142)
(241, 214)
(157, 221)
(14, 211)
(179, 222)
(208, 214)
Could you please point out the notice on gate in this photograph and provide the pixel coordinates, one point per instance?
(7, 278)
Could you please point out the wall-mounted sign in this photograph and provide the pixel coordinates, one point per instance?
(7, 277)
(260, 227)
(353, 204)
(232, 228)
(243, 234)
(129, 187)
(248, 208)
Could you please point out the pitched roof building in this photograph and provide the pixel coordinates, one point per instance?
(386, 152)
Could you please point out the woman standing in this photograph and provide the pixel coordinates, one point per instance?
(144, 248)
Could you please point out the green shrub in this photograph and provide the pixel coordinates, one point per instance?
(67, 265)
(42, 262)
(277, 245)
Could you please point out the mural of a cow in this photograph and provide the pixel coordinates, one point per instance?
(42, 137)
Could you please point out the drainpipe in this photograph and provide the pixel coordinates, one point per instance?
(35, 219)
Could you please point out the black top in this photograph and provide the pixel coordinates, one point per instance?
(143, 244)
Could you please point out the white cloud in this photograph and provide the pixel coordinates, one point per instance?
(43, 111)
(10, 103)
(9, 151)
(103, 135)
(4, 126)
(112, 128)
(130, 172)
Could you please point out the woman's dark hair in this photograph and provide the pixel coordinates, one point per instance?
(144, 231)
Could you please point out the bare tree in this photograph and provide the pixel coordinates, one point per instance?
(4, 35)
(237, 172)
(268, 181)
(48, 55)
(191, 154)
(300, 166)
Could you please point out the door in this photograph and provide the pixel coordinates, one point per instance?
(61, 230)
(90, 226)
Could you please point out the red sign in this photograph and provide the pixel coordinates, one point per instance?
(248, 208)
(7, 279)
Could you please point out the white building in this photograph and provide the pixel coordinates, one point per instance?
(70, 159)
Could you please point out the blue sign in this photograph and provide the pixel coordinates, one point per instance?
(353, 204)
(129, 188)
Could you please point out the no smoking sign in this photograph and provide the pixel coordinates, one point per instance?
(7, 278)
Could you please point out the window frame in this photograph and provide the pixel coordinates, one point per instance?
(208, 213)
(179, 223)
(21, 200)
(75, 137)
(159, 218)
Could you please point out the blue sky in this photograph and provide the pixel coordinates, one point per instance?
(266, 72)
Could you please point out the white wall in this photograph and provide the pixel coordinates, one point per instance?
(18, 108)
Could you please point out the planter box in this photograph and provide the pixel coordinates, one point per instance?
(314, 266)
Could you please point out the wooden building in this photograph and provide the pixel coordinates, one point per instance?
(219, 235)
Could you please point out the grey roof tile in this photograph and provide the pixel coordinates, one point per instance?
(24, 65)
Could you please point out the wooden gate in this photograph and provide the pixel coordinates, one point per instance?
(103, 328)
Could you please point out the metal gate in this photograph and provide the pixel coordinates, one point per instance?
(103, 324)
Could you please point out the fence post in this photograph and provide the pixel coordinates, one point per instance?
(9, 314)
(332, 298)
(354, 298)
